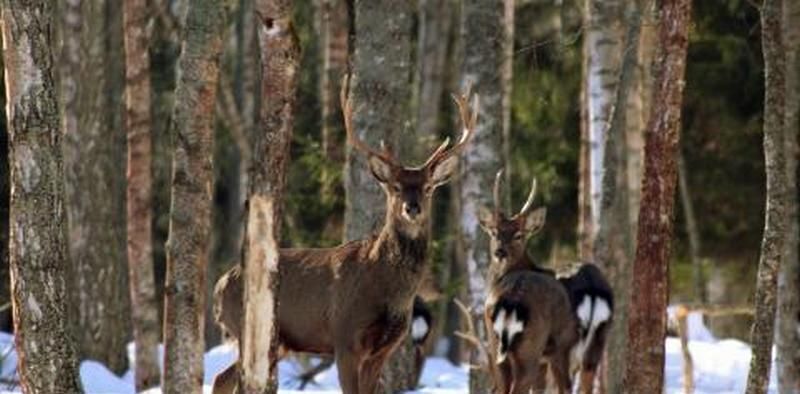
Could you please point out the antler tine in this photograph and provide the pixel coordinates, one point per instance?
(529, 201)
(496, 193)
(347, 112)
(471, 336)
(468, 121)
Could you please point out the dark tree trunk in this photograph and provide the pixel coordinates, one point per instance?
(787, 337)
(6, 321)
(280, 54)
(140, 201)
(773, 243)
(45, 343)
(190, 211)
(644, 363)
(92, 82)
(483, 33)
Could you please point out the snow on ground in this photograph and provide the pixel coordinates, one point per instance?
(720, 366)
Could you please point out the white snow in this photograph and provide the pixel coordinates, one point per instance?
(720, 366)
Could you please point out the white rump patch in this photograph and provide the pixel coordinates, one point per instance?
(514, 326)
(585, 311)
(601, 312)
(499, 322)
(419, 328)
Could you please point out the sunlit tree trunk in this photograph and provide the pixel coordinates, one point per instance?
(773, 243)
(483, 34)
(190, 211)
(788, 319)
(280, 54)
(45, 343)
(334, 25)
(644, 358)
(698, 277)
(604, 34)
(6, 322)
(612, 246)
(140, 201)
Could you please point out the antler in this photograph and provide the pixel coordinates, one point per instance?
(496, 193)
(469, 118)
(347, 112)
(529, 202)
(471, 337)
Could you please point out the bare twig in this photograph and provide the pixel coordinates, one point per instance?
(471, 337)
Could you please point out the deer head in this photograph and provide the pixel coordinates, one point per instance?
(409, 189)
(508, 235)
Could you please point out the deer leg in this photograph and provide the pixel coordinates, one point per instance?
(526, 374)
(226, 381)
(540, 383)
(370, 373)
(560, 367)
(347, 366)
(587, 380)
(502, 378)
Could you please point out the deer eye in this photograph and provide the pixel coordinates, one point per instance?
(396, 188)
(517, 237)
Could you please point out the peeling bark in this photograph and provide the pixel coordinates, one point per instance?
(45, 343)
(190, 211)
(773, 243)
(644, 360)
(280, 54)
(787, 337)
(483, 33)
(138, 122)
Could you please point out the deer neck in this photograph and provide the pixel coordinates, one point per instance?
(500, 269)
(399, 247)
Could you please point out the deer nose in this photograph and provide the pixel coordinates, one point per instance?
(412, 209)
(500, 253)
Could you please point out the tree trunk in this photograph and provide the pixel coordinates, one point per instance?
(92, 74)
(483, 33)
(334, 26)
(280, 54)
(773, 243)
(698, 277)
(435, 24)
(612, 245)
(45, 343)
(6, 321)
(381, 91)
(787, 337)
(139, 193)
(644, 360)
(190, 211)
(604, 31)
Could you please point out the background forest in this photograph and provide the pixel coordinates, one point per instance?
(543, 134)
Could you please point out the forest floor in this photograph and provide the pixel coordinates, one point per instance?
(720, 366)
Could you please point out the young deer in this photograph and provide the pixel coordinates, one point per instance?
(355, 300)
(592, 304)
(527, 315)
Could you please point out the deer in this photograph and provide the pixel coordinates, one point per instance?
(355, 301)
(592, 303)
(527, 314)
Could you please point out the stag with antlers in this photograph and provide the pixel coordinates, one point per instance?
(527, 314)
(354, 301)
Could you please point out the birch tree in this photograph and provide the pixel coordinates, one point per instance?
(138, 122)
(644, 358)
(45, 343)
(483, 33)
(280, 54)
(613, 239)
(92, 73)
(190, 209)
(788, 318)
(773, 242)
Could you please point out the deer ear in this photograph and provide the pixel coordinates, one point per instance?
(486, 218)
(534, 221)
(443, 171)
(381, 170)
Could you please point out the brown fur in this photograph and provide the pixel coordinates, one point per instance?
(550, 329)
